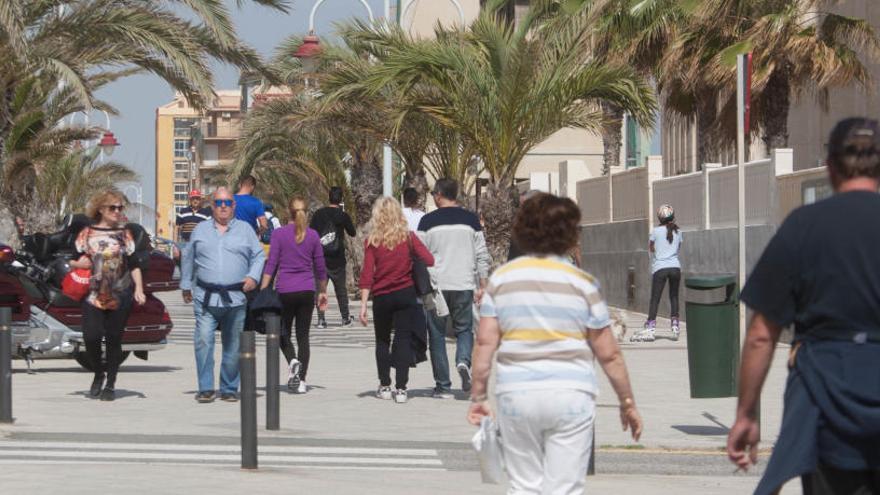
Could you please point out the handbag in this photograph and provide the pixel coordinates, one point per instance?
(75, 284)
(421, 277)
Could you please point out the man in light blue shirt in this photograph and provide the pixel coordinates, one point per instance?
(223, 260)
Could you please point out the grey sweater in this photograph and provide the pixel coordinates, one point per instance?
(455, 238)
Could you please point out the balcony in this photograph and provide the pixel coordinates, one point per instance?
(221, 130)
(209, 164)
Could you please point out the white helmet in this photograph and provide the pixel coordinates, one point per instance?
(665, 213)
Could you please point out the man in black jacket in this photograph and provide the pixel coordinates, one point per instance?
(332, 223)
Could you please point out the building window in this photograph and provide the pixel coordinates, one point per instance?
(181, 148)
(632, 136)
(178, 174)
(183, 127)
(181, 166)
(815, 190)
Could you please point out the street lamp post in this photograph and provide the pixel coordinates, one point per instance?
(308, 51)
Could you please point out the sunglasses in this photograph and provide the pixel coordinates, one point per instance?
(223, 202)
(115, 208)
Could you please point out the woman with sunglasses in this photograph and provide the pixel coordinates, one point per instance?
(107, 248)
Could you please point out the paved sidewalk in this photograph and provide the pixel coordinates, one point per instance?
(339, 437)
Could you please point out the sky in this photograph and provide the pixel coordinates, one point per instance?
(137, 97)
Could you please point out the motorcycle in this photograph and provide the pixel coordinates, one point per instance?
(46, 324)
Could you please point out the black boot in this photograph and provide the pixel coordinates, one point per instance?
(108, 394)
(97, 383)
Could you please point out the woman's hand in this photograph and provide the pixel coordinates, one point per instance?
(363, 316)
(323, 302)
(477, 411)
(139, 296)
(630, 419)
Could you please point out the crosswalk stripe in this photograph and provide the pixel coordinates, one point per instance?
(172, 457)
(56, 462)
(278, 449)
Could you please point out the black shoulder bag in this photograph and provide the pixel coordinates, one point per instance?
(421, 277)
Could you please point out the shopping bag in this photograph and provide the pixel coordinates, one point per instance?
(487, 443)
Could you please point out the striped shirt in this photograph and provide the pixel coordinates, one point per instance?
(187, 219)
(544, 307)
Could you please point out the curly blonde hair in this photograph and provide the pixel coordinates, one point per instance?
(388, 225)
(101, 199)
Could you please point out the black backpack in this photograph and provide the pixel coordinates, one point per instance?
(330, 240)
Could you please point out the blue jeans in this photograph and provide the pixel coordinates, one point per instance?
(231, 322)
(461, 311)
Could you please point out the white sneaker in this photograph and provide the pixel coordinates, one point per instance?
(384, 393)
(400, 396)
(302, 388)
(646, 335)
(293, 381)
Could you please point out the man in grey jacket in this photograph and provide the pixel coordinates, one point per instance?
(461, 263)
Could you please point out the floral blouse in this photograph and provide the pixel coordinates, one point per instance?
(108, 250)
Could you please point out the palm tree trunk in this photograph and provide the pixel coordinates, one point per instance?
(366, 186)
(419, 182)
(707, 143)
(775, 102)
(612, 138)
(497, 209)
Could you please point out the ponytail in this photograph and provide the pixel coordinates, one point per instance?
(670, 228)
(297, 209)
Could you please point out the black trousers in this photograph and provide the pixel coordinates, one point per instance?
(296, 313)
(673, 275)
(401, 312)
(337, 276)
(827, 480)
(106, 325)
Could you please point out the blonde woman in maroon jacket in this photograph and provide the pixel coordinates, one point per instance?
(387, 274)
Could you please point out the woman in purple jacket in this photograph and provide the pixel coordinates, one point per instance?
(295, 260)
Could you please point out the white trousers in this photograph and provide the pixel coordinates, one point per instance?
(546, 438)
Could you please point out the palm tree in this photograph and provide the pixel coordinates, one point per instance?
(507, 89)
(61, 44)
(64, 186)
(424, 146)
(798, 47)
(287, 154)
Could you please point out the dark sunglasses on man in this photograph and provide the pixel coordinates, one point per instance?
(223, 202)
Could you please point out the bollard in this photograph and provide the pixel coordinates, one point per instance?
(5, 365)
(248, 366)
(273, 409)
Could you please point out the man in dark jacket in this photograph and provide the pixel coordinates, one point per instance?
(821, 272)
(332, 223)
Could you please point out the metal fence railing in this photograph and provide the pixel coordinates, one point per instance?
(630, 195)
(686, 193)
(703, 200)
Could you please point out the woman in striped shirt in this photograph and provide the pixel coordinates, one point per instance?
(546, 320)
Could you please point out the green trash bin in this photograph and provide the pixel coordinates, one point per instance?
(713, 338)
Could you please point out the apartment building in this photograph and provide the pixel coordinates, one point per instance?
(192, 149)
